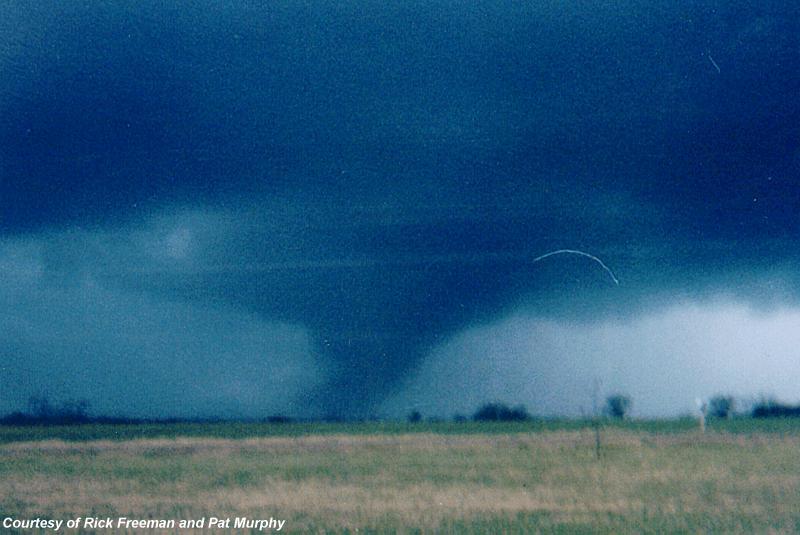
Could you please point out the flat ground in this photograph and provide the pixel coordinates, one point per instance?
(489, 479)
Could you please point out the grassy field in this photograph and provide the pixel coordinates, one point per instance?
(506, 478)
(234, 430)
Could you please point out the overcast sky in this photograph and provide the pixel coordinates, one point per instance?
(316, 208)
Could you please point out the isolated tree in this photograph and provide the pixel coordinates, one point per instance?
(415, 417)
(721, 406)
(618, 405)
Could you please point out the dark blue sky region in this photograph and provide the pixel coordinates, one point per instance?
(310, 204)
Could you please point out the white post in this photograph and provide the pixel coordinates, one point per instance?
(701, 418)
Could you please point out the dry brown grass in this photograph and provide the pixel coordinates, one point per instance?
(422, 480)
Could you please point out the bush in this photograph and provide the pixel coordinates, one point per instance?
(618, 406)
(721, 406)
(500, 412)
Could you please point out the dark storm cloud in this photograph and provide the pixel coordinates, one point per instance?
(383, 175)
(70, 332)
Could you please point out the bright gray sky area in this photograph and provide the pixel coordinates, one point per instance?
(315, 208)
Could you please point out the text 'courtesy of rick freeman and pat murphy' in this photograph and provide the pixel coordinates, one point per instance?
(125, 523)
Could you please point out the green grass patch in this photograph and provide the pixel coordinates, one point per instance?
(238, 430)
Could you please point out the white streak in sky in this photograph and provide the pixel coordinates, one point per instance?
(714, 63)
(579, 253)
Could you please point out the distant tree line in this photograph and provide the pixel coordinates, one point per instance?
(41, 411)
(775, 409)
(500, 412)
